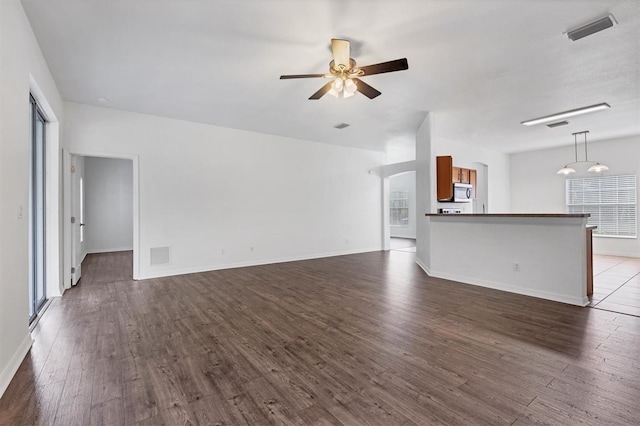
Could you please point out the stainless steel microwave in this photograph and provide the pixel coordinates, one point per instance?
(462, 192)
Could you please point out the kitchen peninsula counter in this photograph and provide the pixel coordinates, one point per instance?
(519, 215)
(544, 255)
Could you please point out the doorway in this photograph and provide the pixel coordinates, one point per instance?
(102, 210)
(402, 211)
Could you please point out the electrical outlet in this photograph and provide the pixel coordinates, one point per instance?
(516, 266)
(222, 252)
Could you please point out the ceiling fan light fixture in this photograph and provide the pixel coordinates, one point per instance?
(346, 94)
(350, 86)
(343, 88)
(346, 75)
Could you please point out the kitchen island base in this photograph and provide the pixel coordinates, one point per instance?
(540, 255)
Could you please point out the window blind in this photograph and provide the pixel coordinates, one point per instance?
(610, 200)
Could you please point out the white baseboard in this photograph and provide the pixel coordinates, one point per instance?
(405, 236)
(14, 363)
(557, 297)
(196, 270)
(111, 250)
(423, 266)
(617, 253)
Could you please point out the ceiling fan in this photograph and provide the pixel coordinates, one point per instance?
(346, 74)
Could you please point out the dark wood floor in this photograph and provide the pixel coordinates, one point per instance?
(350, 340)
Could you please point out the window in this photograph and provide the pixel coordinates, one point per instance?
(399, 213)
(611, 201)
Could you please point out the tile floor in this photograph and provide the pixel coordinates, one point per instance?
(616, 284)
(403, 244)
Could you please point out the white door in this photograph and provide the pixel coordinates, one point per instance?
(77, 217)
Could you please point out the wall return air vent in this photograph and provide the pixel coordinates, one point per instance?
(160, 255)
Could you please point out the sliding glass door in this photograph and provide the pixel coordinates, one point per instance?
(37, 210)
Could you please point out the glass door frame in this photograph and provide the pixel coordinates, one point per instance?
(37, 213)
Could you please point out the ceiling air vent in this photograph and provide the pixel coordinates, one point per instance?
(341, 126)
(592, 28)
(557, 124)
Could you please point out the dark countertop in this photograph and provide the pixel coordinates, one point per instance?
(511, 214)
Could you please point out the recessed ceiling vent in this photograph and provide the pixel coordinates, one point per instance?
(341, 126)
(557, 124)
(592, 28)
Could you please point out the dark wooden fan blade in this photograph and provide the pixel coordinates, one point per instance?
(286, 77)
(323, 90)
(391, 66)
(365, 89)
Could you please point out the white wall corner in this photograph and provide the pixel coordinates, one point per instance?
(386, 229)
(423, 267)
(423, 190)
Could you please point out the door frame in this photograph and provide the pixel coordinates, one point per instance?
(77, 197)
(68, 193)
(481, 204)
(37, 190)
(53, 226)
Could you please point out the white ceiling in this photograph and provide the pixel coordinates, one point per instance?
(482, 67)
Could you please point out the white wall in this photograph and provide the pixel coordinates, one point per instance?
(221, 197)
(405, 182)
(22, 67)
(536, 188)
(425, 173)
(108, 192)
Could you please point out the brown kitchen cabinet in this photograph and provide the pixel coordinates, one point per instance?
(447, 175)
(444, 177)
(461, 175)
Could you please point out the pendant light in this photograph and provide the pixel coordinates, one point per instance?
(595, 168)
(566, 170)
